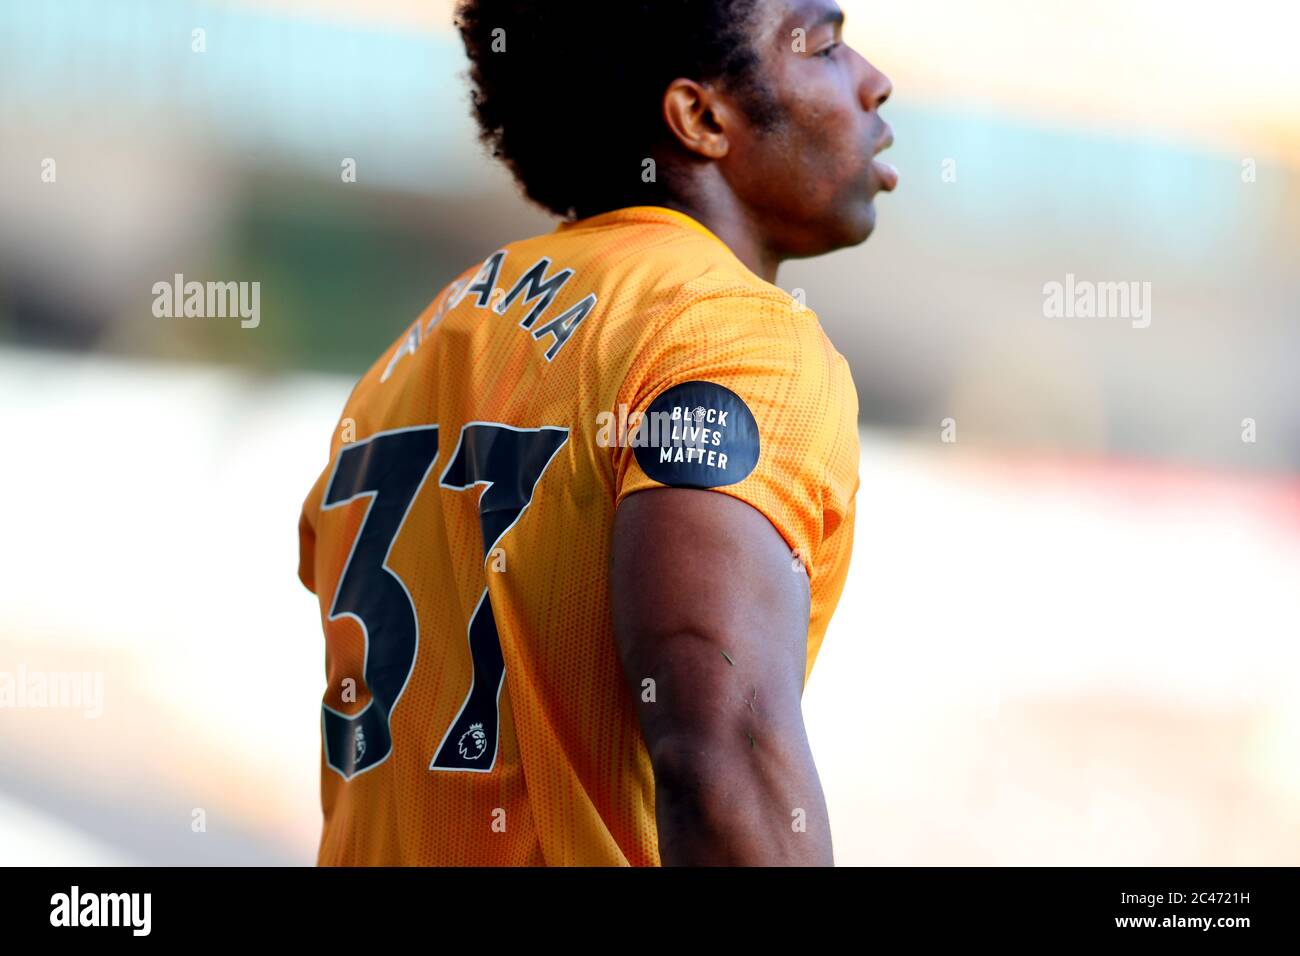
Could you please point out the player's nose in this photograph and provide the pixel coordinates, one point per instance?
(875, 88)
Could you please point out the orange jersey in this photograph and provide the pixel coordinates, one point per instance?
(476, 711)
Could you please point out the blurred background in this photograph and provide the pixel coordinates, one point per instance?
(1070, 632)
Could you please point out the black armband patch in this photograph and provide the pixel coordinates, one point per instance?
(697, 435)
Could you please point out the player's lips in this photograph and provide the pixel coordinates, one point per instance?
(886, 173)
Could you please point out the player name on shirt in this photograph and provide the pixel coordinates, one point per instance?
(534, 288)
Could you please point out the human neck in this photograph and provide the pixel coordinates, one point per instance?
(727, 220)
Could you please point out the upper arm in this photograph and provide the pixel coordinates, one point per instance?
(710, 606)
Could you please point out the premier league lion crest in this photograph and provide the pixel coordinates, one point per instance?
(473, 742)
(359, 743)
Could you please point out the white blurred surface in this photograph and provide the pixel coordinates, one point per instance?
(1063, 664)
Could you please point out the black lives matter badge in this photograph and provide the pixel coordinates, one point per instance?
(698, 435)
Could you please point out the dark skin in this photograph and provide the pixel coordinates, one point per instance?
(806, 188)
(725, 733)
(723, 631)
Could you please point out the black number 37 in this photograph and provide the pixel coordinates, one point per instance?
(390, 469)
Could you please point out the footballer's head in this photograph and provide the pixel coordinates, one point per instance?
(755, 110)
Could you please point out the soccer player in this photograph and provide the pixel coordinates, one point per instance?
(584, 524)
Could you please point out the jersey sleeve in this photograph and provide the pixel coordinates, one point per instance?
(307, 519)
(743, 394)
(307, 547)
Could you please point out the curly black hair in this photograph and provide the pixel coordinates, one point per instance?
(568, 93)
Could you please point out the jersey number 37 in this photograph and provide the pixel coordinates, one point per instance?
(390, 469)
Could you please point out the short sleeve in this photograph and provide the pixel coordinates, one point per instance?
(307, 534)
(744, 395)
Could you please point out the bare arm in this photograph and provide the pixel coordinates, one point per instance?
(709, 603)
